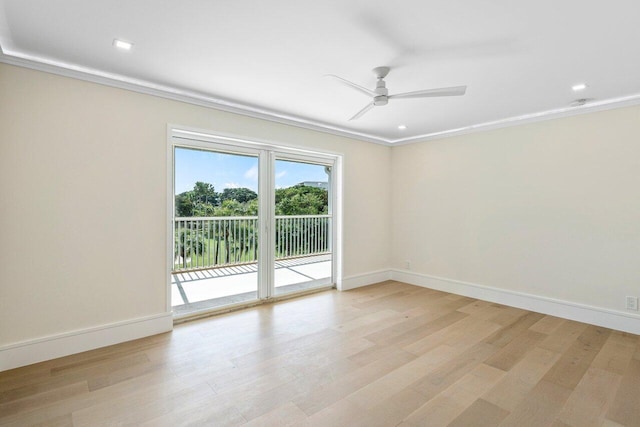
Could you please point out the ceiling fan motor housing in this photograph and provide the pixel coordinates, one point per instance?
(382, 91)
(380, 100)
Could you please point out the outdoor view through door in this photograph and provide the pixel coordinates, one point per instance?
(303, 224)
(221, 253)
(215, 230)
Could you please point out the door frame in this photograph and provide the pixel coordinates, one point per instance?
(183, 136)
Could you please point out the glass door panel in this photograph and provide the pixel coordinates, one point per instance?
(216, 228)
(303, 221)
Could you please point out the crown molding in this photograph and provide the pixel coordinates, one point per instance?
(177, 94)
(591, 107)
(195, 98)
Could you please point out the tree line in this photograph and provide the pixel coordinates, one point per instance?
(204, 201)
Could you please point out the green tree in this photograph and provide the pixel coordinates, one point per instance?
(242, 195)
(200, 201)
(184, 204)
(302, 200)
(231, 207)
(203, 192)
(204, 209)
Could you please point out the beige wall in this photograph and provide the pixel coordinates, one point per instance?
(550, 209)
(83, 200)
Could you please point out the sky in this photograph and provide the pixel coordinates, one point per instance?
(234, 171)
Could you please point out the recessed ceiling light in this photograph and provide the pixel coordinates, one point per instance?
(579, 87)
(402, 127)
(121, 44)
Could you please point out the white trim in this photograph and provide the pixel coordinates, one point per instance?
(182, 95)
(365, 279)
(59, 345)
(169, 238)
(232, 140)
(337, 237)
(267, 224)
(613, 319)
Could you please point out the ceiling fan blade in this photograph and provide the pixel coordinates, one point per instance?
(353, 85)
(443, 91)
(362, 112)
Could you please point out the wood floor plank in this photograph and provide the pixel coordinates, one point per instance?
(453, 400)
(377, 392)
(454, 369)
(367, 320)
(463, 332)
(506, 334)
(417, 333)
(591, 399)
(42, 413)
(390, 354)
(351, 382)
(61, 421)
(508, 316)
(625, 408)
(138, 408)
(616, 353)
(547, 324)
(511, 353)
(563, 336)
(474, 307)
(569, 369)
(608, 423)
(540, 407)
(285, 415)
(29, 389)
(43, 399)
(521, 379)
(489, 312)
(341, 413)
(201, 411)
(480, 411)
(416, 328)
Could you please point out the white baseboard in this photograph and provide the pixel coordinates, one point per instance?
(618, 320)
(359, 280)
(47, 348)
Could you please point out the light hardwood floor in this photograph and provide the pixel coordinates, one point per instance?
(384, 355)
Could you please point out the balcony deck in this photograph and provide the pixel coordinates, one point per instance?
(215, 287)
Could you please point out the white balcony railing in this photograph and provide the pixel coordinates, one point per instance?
(207, 242)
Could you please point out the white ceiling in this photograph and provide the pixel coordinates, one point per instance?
(269, 58)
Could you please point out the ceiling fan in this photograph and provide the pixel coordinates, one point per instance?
(381, 94)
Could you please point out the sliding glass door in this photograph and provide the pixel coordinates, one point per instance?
(302, 225)
(248, 223)
(215, 229)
